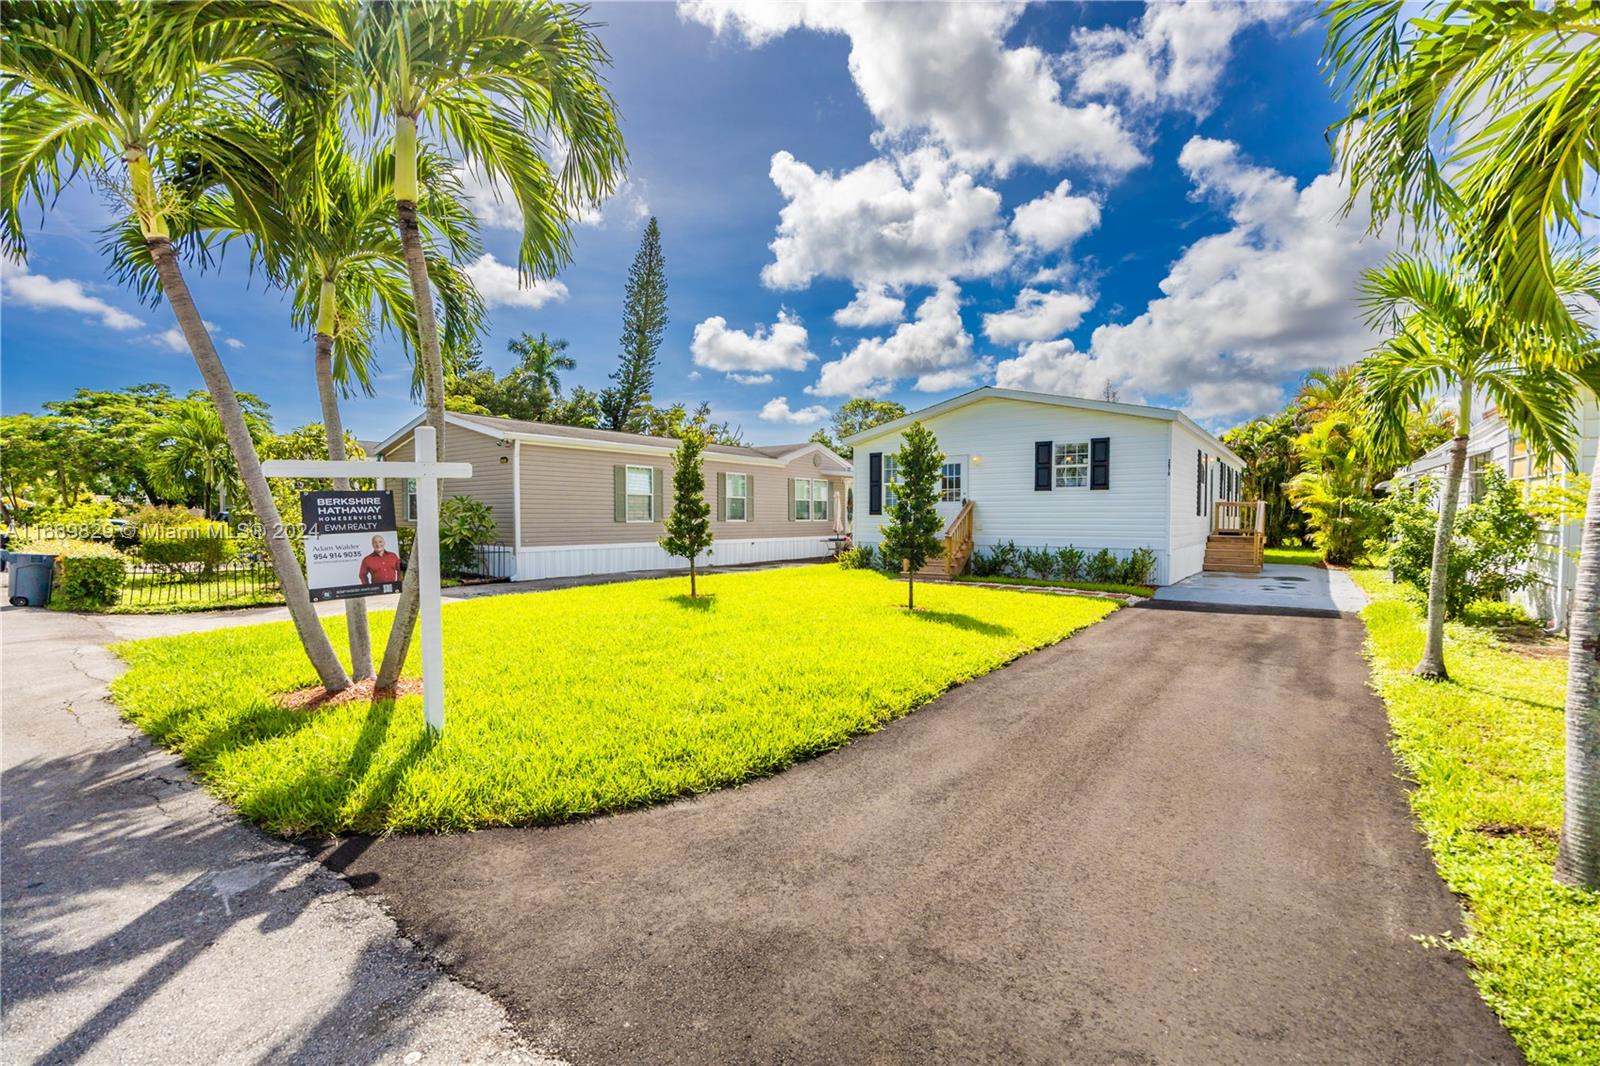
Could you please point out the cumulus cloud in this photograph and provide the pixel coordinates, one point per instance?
(1244, 311)
(777, 410)
(22, 286)
(500, 286)
(873, 305)
(1174, 56)
(496, 208)
(1037, 316)
(934, 348)
(912, 220)
(944, 72)
(741, 379)
(1054, 366)
(753, 354)
(1053, 221)
(234, 342)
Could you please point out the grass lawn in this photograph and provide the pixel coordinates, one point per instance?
(1293, 556)
(562, 704)
(1485, 752)
(1083, 586)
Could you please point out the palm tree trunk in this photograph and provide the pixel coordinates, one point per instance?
(405, 613)
(312, 636)
(355, 608)
(1578, 859)
(1432, 664)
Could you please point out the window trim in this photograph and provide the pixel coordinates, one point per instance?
(409, 489)
(649, 495)
(795, 501)
(1057, 464)
(960, 481)
(891, 478)
(729, 496)
(825, 502)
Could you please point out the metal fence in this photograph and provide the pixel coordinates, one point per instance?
(491, 562)
(192, 585)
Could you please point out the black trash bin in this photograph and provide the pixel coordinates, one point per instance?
(32, 574)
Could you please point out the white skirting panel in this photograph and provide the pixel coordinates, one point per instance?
(578, 560)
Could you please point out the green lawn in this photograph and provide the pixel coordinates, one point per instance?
(562, 704)
(1485, 752)
(1082, 586)
(1293, 556)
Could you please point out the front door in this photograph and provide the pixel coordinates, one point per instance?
(954, 487)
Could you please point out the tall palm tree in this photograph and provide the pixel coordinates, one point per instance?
(540, 365)
(1512, 91)
(190, 456)
(505, 83)
(1450, 332)
(117, 92)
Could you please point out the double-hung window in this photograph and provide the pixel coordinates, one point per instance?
(950, 483)
(1072, 465)
(802, 500)
(891, 478)
(819, 500)
(640, 505)
(411, 499)
(736, 505)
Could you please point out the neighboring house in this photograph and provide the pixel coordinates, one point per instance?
(570, 501)
(1492, 443)
(1043, 470)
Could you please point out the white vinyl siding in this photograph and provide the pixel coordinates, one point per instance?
(641, 495)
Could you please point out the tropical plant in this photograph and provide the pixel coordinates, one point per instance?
(190, 458)
(911, 534)
(644, 319)
(1507, 93)
(498, 81)
(688, 527)
(1449, 331)
(856, 558)
(119, 93)
(540, 363)
(1334, 488)
(465, 523)
(1492, 541)
(1267, 447)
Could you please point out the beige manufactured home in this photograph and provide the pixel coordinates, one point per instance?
(570, 501)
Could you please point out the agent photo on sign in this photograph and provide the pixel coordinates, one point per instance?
(381, 566)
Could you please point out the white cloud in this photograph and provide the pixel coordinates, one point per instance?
(873, 305)
(496, 208)
(22, 286)
(1037, 316)
(777, 410)
(1056, 219)
(500, 286)
(1054, 366)
(944, 72)
(1174, 56)
(934, 348)
(234, 342)
(913, 220)
(746, 379)
(1244, 311)
(174, 341)
(753, 354)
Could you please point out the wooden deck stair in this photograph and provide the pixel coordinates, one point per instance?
(957, 549)
(1237, 540)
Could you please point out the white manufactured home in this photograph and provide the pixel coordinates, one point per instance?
(1042, 470)
(1494, 444)
(569, 501)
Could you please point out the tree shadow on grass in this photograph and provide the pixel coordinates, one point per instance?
(961, 621)
(706, 601)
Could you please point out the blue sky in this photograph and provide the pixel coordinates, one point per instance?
(1061, 197)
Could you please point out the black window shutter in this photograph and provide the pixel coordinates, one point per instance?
(1199, 482)
(1043, 465)
(1100, 462)
(874, 483)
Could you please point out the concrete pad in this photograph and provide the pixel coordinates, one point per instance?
(1278, 586)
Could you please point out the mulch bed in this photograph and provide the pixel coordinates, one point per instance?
(316, 697)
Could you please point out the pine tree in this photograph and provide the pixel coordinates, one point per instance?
(644, 320)
(912, 532)
(689, 525)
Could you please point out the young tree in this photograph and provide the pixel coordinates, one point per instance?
(689, 525)
(1450, 332)
(497, 80)
(912, 532)
(120, 92)
(644, 319)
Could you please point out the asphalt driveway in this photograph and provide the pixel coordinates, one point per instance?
(1177, 837)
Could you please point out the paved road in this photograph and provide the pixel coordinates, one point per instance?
(143, 923)
(1175, 838)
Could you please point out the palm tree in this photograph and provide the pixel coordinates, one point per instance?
(502, 82)
(1325, 391)
(540, 365)
(1334, 487)
(1513, 90)
(1449, 332)
(118, 92)
(190, 457)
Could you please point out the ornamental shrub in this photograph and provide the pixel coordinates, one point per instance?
(859, 558)
(1001, 560)
(89, 577)
(1139, 567)
(179, 548)
(1070, 563)
(1104, 567)
(1040, 562)
(464, 523)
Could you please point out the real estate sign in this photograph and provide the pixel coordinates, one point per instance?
(352, 547)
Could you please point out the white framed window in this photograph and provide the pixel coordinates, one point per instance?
(736, 507)
(1072, 465)
(950, 483)
(802, 499)
(819, 500)
(640, 504)
(411, 499)
(891, 478)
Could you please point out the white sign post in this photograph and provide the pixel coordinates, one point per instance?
(426, 473)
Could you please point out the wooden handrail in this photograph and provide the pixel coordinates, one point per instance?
(958, 541)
